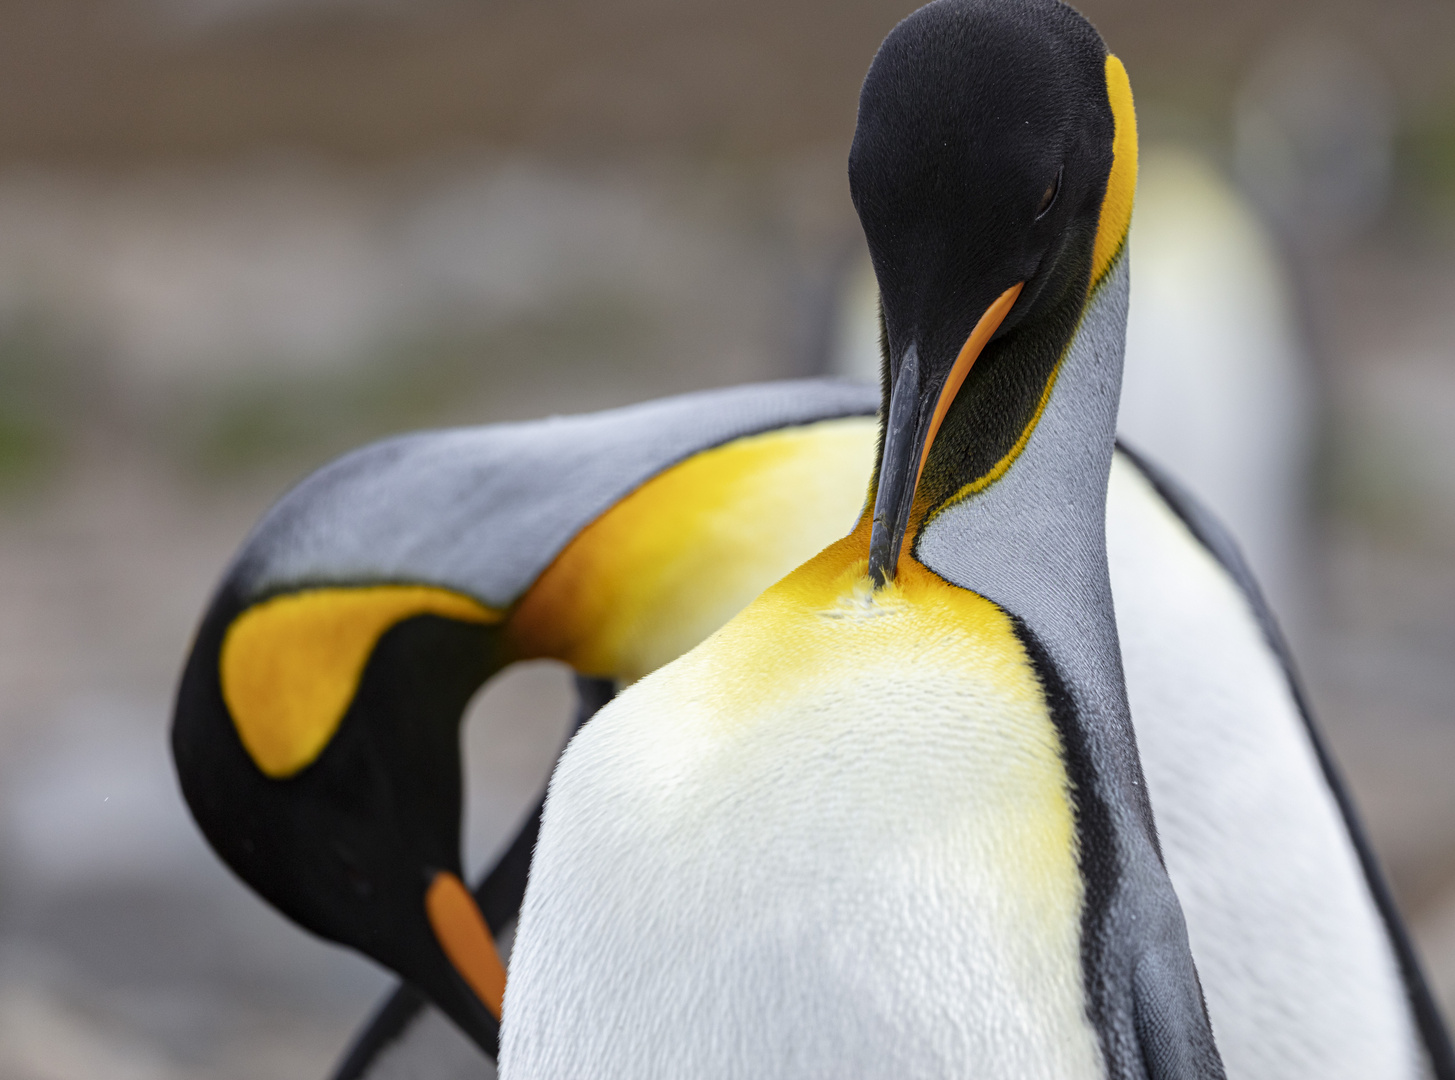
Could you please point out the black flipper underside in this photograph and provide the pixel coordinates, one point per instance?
(499, 894)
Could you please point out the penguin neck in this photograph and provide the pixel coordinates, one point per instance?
(1030, 532)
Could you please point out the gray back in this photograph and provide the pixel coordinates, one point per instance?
(484, 510)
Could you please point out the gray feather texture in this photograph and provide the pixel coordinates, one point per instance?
(484, 510)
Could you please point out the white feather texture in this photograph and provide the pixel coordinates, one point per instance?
(1295, 963)
(833, 841)
(1293, 956)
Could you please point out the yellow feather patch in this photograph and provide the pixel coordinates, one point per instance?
(940, 661)
(1121, 184)
(291, 665)
(679, 556)
(830, 602)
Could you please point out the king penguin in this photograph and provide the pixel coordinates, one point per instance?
(890, 819)
(314, 726)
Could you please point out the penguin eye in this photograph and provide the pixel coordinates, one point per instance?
(1048, 197)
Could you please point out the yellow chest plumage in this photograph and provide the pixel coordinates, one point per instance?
(838, 834)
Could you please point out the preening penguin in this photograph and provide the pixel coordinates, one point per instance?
(890, 820)
(316, 731)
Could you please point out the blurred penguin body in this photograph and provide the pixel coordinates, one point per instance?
(1217, 388)
(1303, 959)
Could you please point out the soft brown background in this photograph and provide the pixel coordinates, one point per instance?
(239, 236)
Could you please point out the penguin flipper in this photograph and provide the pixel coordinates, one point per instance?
(1171, 1023)
(394, 1016)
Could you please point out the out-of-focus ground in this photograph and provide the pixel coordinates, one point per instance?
(239, 236)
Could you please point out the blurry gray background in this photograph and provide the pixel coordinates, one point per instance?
(240, 236)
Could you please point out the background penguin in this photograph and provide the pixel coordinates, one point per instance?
(1305, 962)
(1218, 387)
(337, 530)
(316, 728)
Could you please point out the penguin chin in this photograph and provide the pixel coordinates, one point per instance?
(861, 598)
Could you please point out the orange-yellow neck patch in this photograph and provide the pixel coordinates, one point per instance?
(828, 614)
(291, 665)
(1121, 184)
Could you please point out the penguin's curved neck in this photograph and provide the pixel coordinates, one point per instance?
(1021, 516)
(1031, 399)
(1027, 439)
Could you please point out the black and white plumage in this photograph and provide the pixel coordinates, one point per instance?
(1303, 957)
(954, 545)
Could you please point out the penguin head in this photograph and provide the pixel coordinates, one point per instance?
(316, 738)
(992, 169)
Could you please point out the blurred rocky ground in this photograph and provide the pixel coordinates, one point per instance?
(240, 236)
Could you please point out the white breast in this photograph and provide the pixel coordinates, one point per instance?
(1294, 960)
(869, 872)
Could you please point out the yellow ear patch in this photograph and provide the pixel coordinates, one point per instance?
(291, 665)
(1121, 184)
